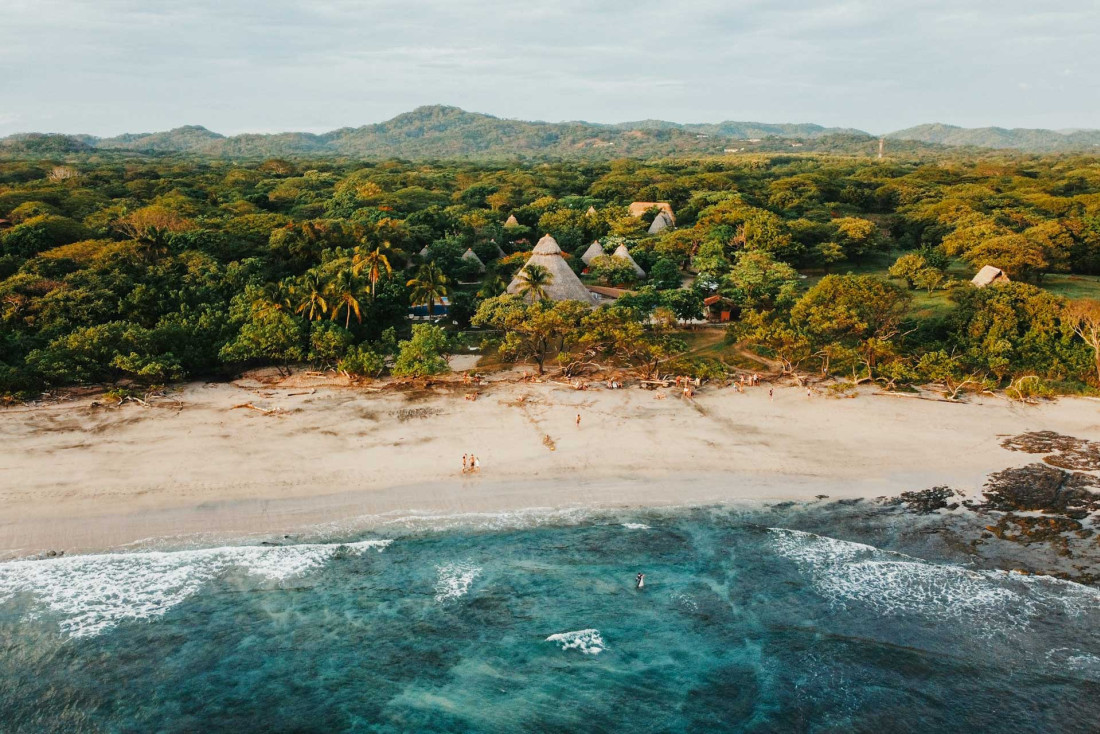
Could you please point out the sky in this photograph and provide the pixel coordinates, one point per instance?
(111, 66)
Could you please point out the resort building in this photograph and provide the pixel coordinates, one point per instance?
(623, 253)
(989, 275)
(594, 250)
(564, 284)
(638, 208)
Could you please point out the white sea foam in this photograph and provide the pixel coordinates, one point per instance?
(895, 584)
(455, 580)
(587, 641)
(635, 526)
(94, 593)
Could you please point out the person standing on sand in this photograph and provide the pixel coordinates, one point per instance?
(464, 463)
(578, 420)
(477, 464)
(771, 394)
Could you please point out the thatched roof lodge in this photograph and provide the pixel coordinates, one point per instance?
(511, 221)
(471, 256)
(989, 275)
(564, 284)
(638, 208)
(622, 252)
(594, 250)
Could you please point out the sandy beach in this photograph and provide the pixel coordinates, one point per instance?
(77, 477)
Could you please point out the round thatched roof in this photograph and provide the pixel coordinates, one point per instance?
(564, 283)
(624, 253)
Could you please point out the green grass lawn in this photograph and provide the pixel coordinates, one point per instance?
(1072, 286)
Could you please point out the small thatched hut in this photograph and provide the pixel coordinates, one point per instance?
(564, 284)
(591, 212)
(989, 275)
(511, 221)
(623, 253)
(594, 250)
(661, 222)
(424, 251)
(471, 256)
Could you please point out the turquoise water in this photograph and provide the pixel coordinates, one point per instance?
(746, 623)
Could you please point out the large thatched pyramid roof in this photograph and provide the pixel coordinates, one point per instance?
(594, 250)
(564, 284)
(622, 252)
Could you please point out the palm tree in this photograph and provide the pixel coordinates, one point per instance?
(533, 281)
(275, 296)
(312, 288)
(344, 291)
(493, 285)
(428, 285)
(375, 263)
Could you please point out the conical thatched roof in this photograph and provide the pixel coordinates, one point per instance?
(564, 283)
(472, 257)
(638, 208)
(622, 252)
(424, 252)
(511, 221)
(661, 222)
(591, 212)
(594, 250)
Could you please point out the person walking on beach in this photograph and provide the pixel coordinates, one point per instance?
(771, 394)
(476, 463)
(639, 581)
(578, 420)
(465, 463)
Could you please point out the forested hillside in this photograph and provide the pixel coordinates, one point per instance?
(116, 267)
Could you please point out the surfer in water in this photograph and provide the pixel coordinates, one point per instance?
(639, 580)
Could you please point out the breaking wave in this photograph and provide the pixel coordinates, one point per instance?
(454, 580)
(94, 593)
(894, 584)
(587, 641)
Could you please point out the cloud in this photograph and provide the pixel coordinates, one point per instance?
(105, 66)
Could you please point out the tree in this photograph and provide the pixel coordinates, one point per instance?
(312, 290)
(375, 263)
(1020, 257)
(907, 267)
(423, 354)
(345, 291)
(856, 315)
(428, 286)
(665, 274)
(533, 282)
(610, 270)
(532, 331)
(1083, 317)
(274, 336)
(758, 280)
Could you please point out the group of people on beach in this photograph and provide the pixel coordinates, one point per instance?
(470, 464)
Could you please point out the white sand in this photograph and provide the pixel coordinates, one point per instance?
(80, 478)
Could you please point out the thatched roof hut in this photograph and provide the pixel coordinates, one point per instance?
(591, 212)
(594, 250)
(638, 208)
(564, 284)
(424, 251)
(661, 222)
(623, 253)
(471, 256)
(511, 221)
(989, 275)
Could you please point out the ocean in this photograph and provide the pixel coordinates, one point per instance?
(802, 618)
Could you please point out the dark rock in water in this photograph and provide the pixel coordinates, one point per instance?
(1041, 488)
(1027, 530)
(926, 500)
(1066, 452)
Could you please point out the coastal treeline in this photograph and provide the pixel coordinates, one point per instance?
(154, 269)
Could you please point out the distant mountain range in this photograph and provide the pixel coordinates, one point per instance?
(450, 132)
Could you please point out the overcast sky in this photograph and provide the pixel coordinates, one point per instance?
(112, 66)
